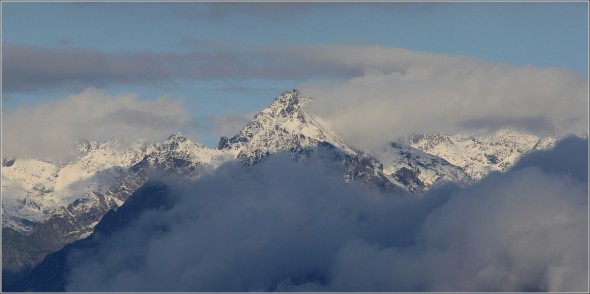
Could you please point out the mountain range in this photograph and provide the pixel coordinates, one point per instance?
(47, 205)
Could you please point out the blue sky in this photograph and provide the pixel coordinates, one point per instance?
(226, 36)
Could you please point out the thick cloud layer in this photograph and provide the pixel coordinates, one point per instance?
(50, 129)
(368, 94)
(294, 226)
(399, 92)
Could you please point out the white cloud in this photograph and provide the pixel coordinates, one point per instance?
(370, 95)
(49, 130)
(281, 225)
(398, 92)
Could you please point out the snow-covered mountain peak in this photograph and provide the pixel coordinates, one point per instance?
(283, 126)
(289, 103)
(178, 141)
(177, 137)
(83, 147)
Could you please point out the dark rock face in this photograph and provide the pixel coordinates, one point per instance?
(50, 274)
(493, 159)
(417, 170)
(22, 251)
(153, 195)
(252, 157)
(357, 167)
(409, 177)
(223, 143)
(8, 162)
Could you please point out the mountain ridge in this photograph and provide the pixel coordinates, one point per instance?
(57, 203)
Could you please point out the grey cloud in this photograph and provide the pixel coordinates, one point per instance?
(231, 123)
(133, 119)
(539, 125)
(29, 68)
(561, 159)
(294, 226)
(496, 236)
(368, 94)
(36, 68)
(402, 92)
(49, 130)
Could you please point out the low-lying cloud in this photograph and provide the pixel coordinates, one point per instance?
(291, 226)
(49, 130)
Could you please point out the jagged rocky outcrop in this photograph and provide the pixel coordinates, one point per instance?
(418, 170)
(285, 127)
(478, 155)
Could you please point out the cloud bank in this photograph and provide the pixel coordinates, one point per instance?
(400, 92)
(369, 95)
(291, 226)
(49, 130)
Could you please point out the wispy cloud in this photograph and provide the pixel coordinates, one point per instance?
(49, 130)
(231, 123)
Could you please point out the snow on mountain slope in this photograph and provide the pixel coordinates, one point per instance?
(179, 147)
(278, 128)
(27, 187)
(175, 156)
(52, 204)
(418, 170)
(479, 155)
(32, 188)
(285, 127)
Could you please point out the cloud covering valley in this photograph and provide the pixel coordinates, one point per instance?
(291, 226)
